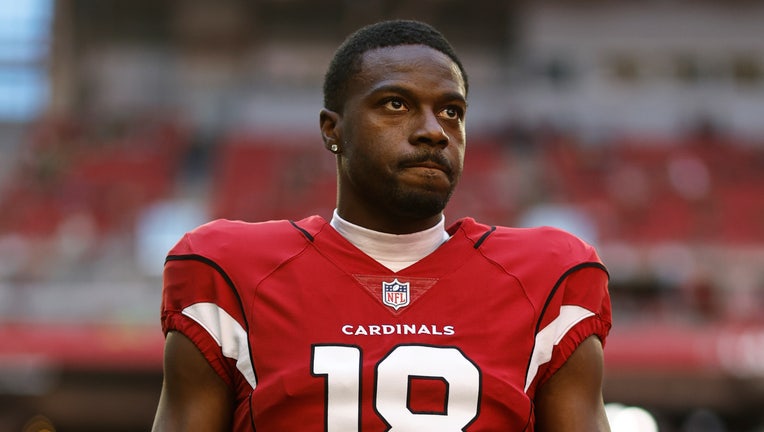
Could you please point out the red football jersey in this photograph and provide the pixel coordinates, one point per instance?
(314, 335)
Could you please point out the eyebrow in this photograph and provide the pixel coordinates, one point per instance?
(395, 88)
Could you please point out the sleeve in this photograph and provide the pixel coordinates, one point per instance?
(199, 301)
(583, 304)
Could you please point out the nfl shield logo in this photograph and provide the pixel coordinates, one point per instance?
(395, 294)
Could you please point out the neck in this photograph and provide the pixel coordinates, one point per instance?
(381, 221)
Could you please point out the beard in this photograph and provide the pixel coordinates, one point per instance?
(394, 191)
(418, 203)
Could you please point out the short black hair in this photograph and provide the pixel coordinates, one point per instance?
(347, 58)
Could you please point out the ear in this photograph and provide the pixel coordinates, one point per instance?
(330, 130)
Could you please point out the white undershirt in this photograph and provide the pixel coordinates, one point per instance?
(394, 251)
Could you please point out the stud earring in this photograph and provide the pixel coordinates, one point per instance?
(334, 148)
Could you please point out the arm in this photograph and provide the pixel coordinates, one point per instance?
(194, 398)
(571, 401)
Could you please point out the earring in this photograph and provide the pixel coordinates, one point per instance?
(334, 148)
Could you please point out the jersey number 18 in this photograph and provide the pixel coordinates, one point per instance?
(341, 366)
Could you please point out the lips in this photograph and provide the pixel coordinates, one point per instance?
(429, 161)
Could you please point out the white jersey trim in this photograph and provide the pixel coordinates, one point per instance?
(551, 335)
(227, 333)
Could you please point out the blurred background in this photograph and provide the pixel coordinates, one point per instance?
(123, 123)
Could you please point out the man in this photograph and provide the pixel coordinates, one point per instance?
(382, 319)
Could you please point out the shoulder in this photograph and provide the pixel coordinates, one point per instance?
(544, 244)
(230, 233)
(545, 241)
(226, 237)
(233, 254)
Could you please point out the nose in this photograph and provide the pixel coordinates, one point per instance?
(429, 131)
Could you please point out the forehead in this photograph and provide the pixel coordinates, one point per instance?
(417, 64)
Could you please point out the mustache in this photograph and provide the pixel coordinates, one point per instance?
(438, 159)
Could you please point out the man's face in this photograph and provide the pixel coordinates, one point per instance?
(401, 135)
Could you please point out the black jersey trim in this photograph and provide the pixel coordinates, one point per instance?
(223, 274)
(303, 231)
(229, 282)
(484, 236)
(531, 414)
(251, 412)
(209, 262)
(551, 296)
(559, 283)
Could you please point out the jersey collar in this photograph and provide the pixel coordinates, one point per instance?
(394, 251)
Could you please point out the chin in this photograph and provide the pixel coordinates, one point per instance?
(421, 205)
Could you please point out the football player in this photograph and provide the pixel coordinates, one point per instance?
(382, 318)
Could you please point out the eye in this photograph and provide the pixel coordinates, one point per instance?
(395, 104)
(452, 113)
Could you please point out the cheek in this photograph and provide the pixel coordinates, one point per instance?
(457, 157)
(360, 161)
(373, 149)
